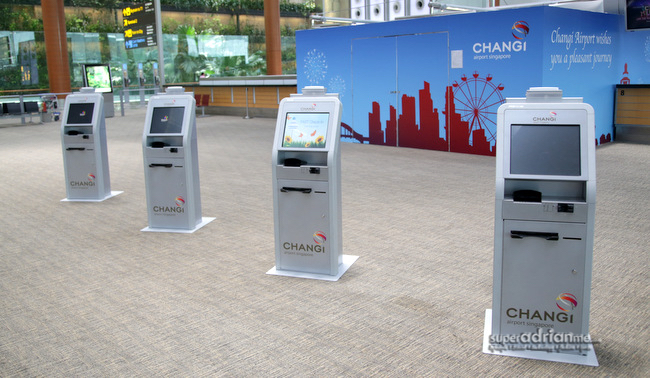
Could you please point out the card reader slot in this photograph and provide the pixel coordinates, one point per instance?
(168, 165)
(286, 189)
(544, 235)
(75, 149)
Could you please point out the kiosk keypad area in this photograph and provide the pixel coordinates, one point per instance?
(85, 154)
(307, 187)
(171, 164)
(544, 227)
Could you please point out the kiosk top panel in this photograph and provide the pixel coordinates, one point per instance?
(80, 113)
(167, 114)
(308, 123)
(167, 120)
(549, 141)
(83, 108)
(305, 130)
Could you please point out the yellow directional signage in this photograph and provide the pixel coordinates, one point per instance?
(139, 25)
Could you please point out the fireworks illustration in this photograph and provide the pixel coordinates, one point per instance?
(315, 67)
(336, 85)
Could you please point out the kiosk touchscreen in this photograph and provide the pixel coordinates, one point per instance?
(306, 163)
(98, 76)
(85, 156)
(171, 164)
(544, 229)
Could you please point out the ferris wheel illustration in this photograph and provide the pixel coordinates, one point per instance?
(479, 99)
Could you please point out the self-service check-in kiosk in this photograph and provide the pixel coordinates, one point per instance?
(85, 156)
(171, 164)
(544, 229)
(306, 163)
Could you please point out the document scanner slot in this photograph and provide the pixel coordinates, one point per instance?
(524, 234)
(286, 189)
(75, 149)
(167, 165)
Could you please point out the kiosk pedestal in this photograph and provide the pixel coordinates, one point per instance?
(307, 187)
(544, 229)
(109, 105)
(171, 164)
(85, 156)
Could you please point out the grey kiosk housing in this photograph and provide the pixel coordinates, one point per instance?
(85, 155)
(171, 164)
(306, 162)
(544, 229)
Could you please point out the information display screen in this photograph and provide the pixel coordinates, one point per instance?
(551, 150)
(80, 114)
(99, 77)
(305, 130)
(168, 120)
(637, 14)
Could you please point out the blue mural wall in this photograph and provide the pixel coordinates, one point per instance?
(437, 82)
(634, 66)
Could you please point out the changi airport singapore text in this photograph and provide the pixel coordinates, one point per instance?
(577, 45)
(497, 50)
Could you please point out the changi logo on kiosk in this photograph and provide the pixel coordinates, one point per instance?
(171, 210)
(565, 302)
(84, 184)
(550, 118)
(301, 249)
(313, 107)
(179, 201)
(319, 237)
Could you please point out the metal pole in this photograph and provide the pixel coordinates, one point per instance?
(122, 102)
(159, 38)
(247, 116)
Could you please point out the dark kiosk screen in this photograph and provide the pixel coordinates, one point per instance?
(80, 114)
(551, 150)
(167, 120)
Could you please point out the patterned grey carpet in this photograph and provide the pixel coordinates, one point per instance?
(83, 292)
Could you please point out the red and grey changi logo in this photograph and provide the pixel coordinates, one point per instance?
(319, 237)
(91, 177)
(180, 201)
(520, 29)
(566, 302)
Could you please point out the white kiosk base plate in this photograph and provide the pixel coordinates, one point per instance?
(589, 359)
(204, 221)
(348, 260)
(113, 194)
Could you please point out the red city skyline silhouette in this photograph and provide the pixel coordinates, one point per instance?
(426, 135)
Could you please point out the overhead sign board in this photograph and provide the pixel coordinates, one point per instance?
(139, 25)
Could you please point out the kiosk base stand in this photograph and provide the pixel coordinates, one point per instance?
(348, 260)
(535, 351)
(113, 194)
(204, 221)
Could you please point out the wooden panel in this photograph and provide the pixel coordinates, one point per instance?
(629, 99)
(633, 106)
(239, 96)
(634, 113)
(287, 91)
(632, 121)
(221, 96)
(266, 97)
